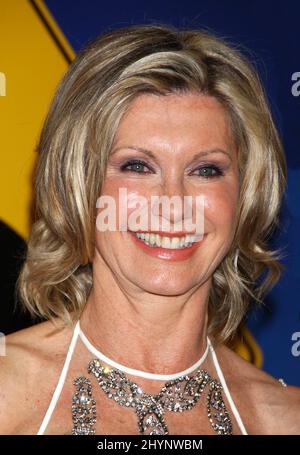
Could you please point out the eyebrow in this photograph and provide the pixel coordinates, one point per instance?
(152, 155)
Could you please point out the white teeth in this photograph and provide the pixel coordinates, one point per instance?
(166, 243)
(173, 243)
(152, 239)
(158, 240)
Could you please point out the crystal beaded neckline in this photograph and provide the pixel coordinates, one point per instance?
(179, 395)
(140, 373)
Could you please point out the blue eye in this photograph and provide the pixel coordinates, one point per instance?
(136, 166)
(209, 171)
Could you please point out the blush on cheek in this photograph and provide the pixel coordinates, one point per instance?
(128, 197)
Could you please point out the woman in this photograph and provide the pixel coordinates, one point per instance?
(151, 111)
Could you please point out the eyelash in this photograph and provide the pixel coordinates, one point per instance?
(218, 171)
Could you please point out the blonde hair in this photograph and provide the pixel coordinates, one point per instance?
(78, 135)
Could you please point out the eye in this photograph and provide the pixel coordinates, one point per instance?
(209, 171)
(137, 166)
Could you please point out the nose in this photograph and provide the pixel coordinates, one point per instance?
(170, 207)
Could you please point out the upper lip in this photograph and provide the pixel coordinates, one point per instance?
(166, 234)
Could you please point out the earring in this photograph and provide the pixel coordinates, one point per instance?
(235, 261)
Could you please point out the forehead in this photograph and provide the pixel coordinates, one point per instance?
(176, 118)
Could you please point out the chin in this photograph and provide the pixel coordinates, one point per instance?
(165, 286)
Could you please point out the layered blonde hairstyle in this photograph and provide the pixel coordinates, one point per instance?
(78, 135)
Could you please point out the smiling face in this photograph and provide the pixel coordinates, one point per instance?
(172, 145)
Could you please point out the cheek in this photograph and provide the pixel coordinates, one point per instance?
(126, 193)
(221, 207)
(112, 186)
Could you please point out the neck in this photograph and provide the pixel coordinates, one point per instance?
(144, 331)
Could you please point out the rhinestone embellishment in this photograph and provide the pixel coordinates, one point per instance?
(282, 382)
(177, 395)
(83, 407)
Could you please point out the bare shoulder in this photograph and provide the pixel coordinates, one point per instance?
(265, 405)
(28, 371)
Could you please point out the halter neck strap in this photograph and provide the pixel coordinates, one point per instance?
(61, 381)
(142, 374)
(226, 390)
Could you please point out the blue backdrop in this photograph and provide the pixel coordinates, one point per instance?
(268, 32)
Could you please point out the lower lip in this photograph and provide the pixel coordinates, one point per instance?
(167, 253)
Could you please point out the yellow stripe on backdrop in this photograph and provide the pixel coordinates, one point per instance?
(34, 55)
(246, 346)
(32, 61)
